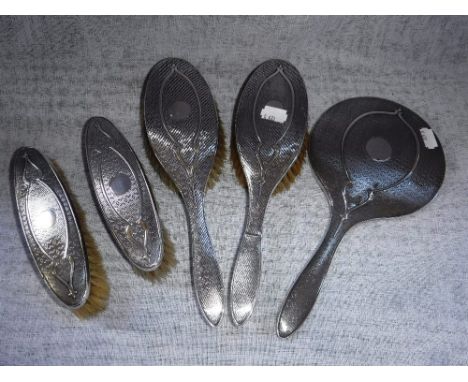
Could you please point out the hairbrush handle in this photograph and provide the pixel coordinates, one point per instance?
(206, 275)
(247, 267)
(305, 290)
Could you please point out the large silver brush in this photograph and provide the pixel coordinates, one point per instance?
(182, 126)
(270, 126)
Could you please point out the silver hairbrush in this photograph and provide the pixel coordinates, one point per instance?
(182, 126)
(270, 126)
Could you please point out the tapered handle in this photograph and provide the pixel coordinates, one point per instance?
(206, 275)
(247, 267)
(246, 277)
(304, 293)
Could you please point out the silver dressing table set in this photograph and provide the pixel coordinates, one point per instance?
(373, 157)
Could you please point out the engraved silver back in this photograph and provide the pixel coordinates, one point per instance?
(122, 194)
(181, 123)
(49, 227)
(267, 144)
(182, 126)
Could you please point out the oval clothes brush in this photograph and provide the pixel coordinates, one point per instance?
(375, 159)
(70, 269)
(270, 125)
(122, 194)
(182, 126)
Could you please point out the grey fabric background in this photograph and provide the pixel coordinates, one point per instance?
(397, 291)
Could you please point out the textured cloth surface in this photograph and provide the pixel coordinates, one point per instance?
(397, 290)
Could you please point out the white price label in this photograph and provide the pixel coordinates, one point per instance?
(274, 114)
(429, 138)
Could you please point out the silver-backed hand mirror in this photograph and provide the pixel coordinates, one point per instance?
(375, 159)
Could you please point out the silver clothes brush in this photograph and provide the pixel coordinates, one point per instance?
(122, 194)
(63, 255)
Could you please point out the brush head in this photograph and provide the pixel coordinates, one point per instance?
(99, 285)
(182, 123)
(269, 127)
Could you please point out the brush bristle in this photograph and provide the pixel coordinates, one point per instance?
(285, 183)
(99, 294)
(163, 175)
(236, 163)
(169, 261)
(295, 170)
(219, 159)
(99, 286)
